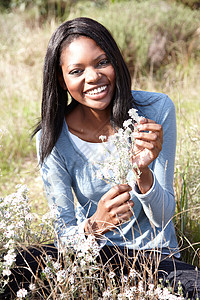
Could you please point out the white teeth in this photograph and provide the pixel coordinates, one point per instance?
(96, 91)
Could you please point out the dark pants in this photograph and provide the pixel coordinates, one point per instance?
(169, 269)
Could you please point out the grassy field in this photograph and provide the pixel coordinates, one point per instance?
(23, 43)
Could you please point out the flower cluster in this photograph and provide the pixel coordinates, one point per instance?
(15, 221)
(79, 271)
(17, 229)
(143, 291)
(117, 166)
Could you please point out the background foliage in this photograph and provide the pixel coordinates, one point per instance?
(160, 41)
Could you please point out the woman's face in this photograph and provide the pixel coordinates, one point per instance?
(88, 74)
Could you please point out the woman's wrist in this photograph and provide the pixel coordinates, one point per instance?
(145, 181)
(92, 227)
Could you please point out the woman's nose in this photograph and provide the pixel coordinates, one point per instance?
(92, 75)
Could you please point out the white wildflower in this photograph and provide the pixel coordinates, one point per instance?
(89, 258)
(20, 224)
(22, 188)
(83, 263)
(2, 224)
(127, 123)
(127, 132)
(61, 276)
(107, 294)
(49, 258)
(111, 274)
(74, 269)
(133, 114)
(6, 272)
(120, 132)
(116, 165)
(140, 287)
(166, 293)
(32, 287)
(128, 293)
(22, 293)
(102, 137)
(10, 244)
(9, 258)
(7, 215)
(29, 217)
(158, 291)
(133, 273)
(133, 289)
(47, 271)
(124, 279)
(71, 279)
(57, 265)
(9, 233)
(151, 286)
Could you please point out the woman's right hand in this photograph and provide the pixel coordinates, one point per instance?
(114, 208)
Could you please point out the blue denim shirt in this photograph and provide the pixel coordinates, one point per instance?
(67, 172)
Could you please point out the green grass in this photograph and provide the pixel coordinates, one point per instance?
(22, 48)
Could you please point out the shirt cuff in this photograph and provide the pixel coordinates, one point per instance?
(137, 192)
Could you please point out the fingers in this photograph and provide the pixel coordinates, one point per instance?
(149, 135)
(116, 204)
(117, 190)
(150, 126)
(120, 219)
(112, 199)
(124, 212)
(148, 141)
(126, 207)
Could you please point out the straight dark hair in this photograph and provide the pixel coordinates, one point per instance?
(55, 102)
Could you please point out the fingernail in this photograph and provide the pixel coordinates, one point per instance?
(142, 120)
(139, 127)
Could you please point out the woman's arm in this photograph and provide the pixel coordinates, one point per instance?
(157, 147)
(57, 183)
(113, 208)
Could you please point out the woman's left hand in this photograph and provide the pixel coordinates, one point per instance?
(148, 144)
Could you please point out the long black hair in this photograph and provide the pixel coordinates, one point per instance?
(55, 102)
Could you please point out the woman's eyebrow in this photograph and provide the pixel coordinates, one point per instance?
(74, 65)
(96, 59)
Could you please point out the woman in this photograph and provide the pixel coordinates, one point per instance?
(87, 93)
(84, 62)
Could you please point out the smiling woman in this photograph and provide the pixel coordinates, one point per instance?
(132, 225)
(89, 77)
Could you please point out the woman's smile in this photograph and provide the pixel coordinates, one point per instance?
(96, 91)
(88, 75)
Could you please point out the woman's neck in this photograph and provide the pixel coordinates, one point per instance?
(88, 124)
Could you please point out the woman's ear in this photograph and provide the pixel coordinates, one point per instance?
(61, 80)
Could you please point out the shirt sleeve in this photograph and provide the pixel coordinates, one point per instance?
(159, 202)
(69, 227)
(57, 183)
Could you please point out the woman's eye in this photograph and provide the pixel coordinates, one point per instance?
(104, 62)
(75, 72)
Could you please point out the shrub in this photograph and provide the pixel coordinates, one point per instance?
(150, 34)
